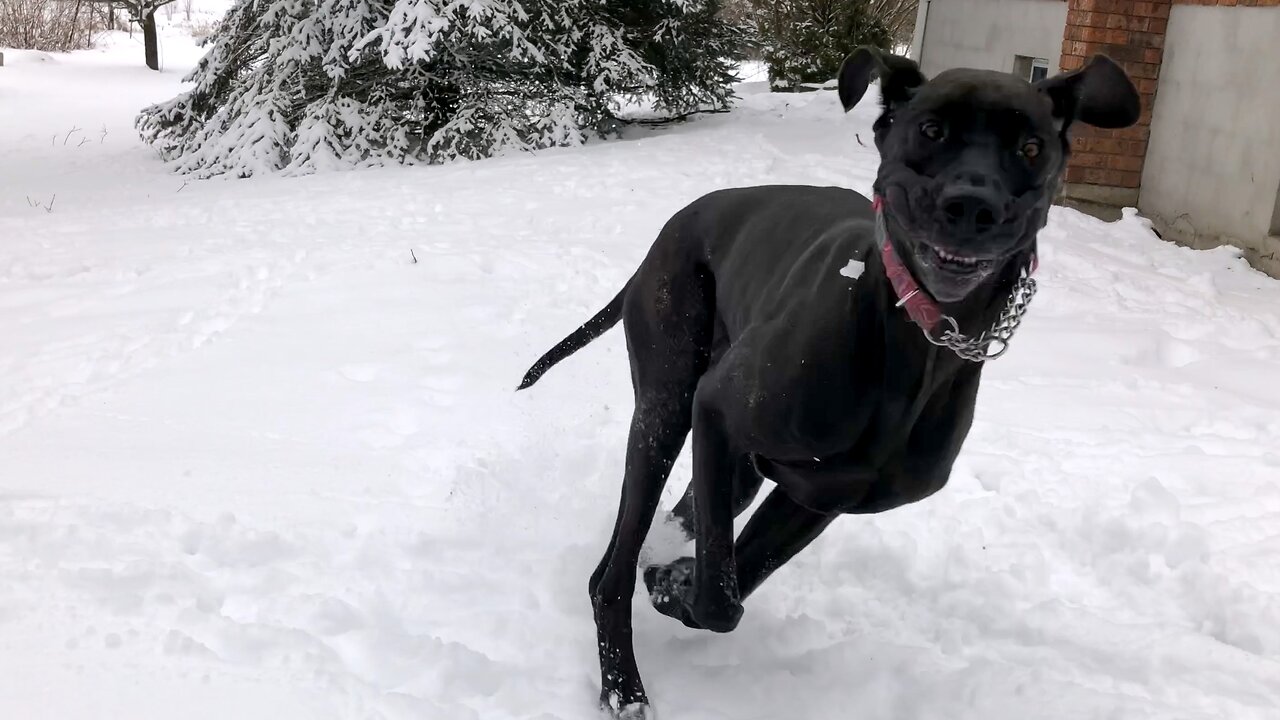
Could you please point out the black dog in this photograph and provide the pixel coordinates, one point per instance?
(852, 395)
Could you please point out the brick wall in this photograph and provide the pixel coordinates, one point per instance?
(1131, 32)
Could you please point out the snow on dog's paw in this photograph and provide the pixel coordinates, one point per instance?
(636, 711)
(611, 706)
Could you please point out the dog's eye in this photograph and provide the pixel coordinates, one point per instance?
(1030, 149)
(931, 130)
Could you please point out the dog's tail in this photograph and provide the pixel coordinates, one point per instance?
(578, 339)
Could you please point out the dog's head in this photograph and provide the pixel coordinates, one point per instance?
(971, 160)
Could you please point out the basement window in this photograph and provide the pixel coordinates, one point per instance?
(1275, 216)
(1031, 69)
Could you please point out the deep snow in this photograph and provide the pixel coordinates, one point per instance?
(255, 462)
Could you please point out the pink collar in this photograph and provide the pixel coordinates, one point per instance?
(921, 307)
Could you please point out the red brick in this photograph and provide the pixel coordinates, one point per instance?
(1099, 176)
(1101, 19)
(1101, 146)
(1230, 3)
(1151, 9)
(1125, 163)
(1082, 33)
(1071, 62)
(1140, 70)
(1096, 176)
(1087, 18)
(1135, 23)
(1090, 160)
(1152, 56)
(1121, 53)
(1135, 133)
(1147, 40)
(1105, 6)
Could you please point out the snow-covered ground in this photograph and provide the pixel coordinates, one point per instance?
(257, 463)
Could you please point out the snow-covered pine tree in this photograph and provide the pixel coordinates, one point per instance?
(301, 85)
(805, 41)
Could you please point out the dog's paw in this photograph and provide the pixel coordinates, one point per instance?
(671, 593)
(669, 588)
(612, 707)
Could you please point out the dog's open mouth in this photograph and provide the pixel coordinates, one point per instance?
(955, 263)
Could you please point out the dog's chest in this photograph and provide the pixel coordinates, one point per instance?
(837, 464)
(826, 430)
(834, 401)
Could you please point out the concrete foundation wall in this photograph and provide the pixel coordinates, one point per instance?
(987, 33)
(1212, 172)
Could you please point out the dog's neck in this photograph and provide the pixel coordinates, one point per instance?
(973, 314)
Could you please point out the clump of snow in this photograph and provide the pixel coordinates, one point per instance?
(257, 462)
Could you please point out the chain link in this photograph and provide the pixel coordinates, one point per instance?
(978, 349)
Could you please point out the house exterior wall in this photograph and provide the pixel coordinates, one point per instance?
(1203, 162)
(1213, 165)
(987, 33)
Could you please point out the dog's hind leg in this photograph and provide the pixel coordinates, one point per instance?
(668, 342)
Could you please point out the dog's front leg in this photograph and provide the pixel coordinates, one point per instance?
(716, 603)
(713, 601)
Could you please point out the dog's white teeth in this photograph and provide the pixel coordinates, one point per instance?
(956, 258)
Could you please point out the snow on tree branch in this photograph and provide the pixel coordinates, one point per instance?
(297, 86)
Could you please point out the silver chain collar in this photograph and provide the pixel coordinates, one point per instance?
(978, 349)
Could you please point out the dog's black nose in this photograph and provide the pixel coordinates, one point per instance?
(971, 210)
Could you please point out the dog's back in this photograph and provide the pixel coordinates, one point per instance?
(773, 247)
(757, 243)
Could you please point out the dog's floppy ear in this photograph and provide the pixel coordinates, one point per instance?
(898, 76)
(1099, 94)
